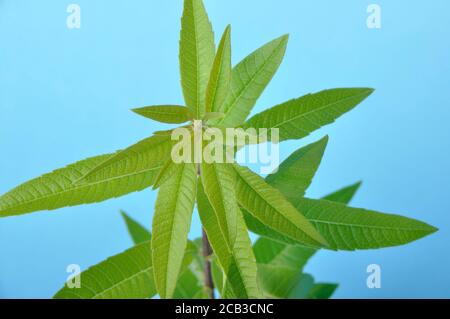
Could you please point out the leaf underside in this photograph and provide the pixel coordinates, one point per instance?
(126, 275)
(297, 118)
(197, 51)
(249, 79)
(171, 223)
(172, 114)
(58, 189)
(237, 261)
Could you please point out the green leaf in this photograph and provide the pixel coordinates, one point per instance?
(190, 284)
(173, 114)
(322, 291)
(168, 169)
(171, 223)
(58, 189)
(295, 174)
(291, 187)
(302, 287)
(219, 81)
(279, 265)
(219, 186)
(268, 205)
(213, 116)
(135, 159)
(277, 281)
(189, 287)
(217, 274)
(344, 195)
(249, 79)
(237, 261)
(196, 55)
(297, 118)
(347, 228)
(271, 252)
(125, 275)
(137, 232)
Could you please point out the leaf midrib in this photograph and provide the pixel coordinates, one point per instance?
(122, 281)
(318, 109)
(274, 208)
(231, 107)
(80, 186)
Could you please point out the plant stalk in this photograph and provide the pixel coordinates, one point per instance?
(207, 251)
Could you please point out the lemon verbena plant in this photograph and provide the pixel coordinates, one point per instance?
(231, 199)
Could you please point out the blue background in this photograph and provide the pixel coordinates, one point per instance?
(65, 94)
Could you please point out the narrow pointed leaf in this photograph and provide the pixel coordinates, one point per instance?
(277, 281)
(270, 207)
(219, 186)
(168, 169)
(213, 116)
(237, 261)
(295, 174)
(173, 114)
(302, 287)
(217, 275)
(125, 275)
(297, 118)
(189, 287)
(348, 228)
(135, 159)
(344, 195)
(138, 233)
(219, 81)
(249, 79)
(171, 223)
(58, 189)
(322, 291)
(289, 189)
(279, 265)
(196, 55)
(268, 251)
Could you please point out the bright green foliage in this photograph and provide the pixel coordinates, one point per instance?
(296, 172)
(321, 291)
(249, 79)
(189, 283)
(348, 228)
(271, 208)
(138, 158)
(137, 232)
(344, 195)
(196, 55)
(297, 118)
(58, 189)
(237, 261)
(231, 198)
(174, 114)
(171, 223)
(219, 182)
(126, 275)
(219, 81)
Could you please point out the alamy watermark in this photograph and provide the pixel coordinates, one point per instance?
(374, 279)
(199, 143)
(374, 19)
(73, 20)
(74, 279)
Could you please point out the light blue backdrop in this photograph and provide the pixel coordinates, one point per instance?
(66, 94)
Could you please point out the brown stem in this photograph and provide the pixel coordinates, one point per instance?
(207, 251)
